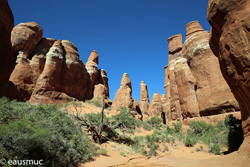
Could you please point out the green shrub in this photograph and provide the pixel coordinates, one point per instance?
(122, 153)
(42, 132)
(146, 126)
(154, 122)
(95, 118)
(126, 118)
(95, 102)
(103, 151)
(215, 149)
(189, 141)
(177, 126)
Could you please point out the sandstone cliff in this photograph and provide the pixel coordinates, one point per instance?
(194, 85)
(47, 70)
(229, 41)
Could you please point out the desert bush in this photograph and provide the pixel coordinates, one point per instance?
(122, 153)
(126, 118)
(102, 151)
(177, 126)
(42, 132)
(146, 126)
(189, 141)
(154, 122)
(95, 118)
(96, 102)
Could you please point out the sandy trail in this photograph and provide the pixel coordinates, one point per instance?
(177, 156)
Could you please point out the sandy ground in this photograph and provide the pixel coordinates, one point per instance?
(177, 155)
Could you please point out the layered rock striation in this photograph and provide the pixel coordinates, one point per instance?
(194, 85)
(49, 70)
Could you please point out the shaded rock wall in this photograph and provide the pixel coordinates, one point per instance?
(229, 41)
(6, 56)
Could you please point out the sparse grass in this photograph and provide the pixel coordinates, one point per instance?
(122, 153)
(102, 151)
(95, 102)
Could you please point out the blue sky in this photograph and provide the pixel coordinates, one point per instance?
(130, 36)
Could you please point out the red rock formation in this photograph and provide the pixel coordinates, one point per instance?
(144, 100)
(103, 79)
(166, 105)
(26, 72)
(155, 107)
(174, 52)
(136, 111)
(123, 96)
(6, 57)
(102, 89)
(186, 84)
(39, 54)
(25, 36)
(64, 77)
(193, 27)
(213, 93)
(22, 80)
(212, 119)
(229, 40)
(92, 68)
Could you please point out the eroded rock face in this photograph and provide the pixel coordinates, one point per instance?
(193, 27)
(64, 77)
(144, 100)
(26, 72)
(186, 84)
(39, 54)
(102, 89)
(166, 104)
(22, 80)
(25, 36)
(92, 69)
(229, 40)
(212, 92)
(174, 53)
(136, 111)
(123, 96)
(6, 57)
(155, 107)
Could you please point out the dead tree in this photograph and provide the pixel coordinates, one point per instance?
(95, 129)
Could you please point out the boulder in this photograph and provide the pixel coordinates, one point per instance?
(186, 85)
(123, 96)
(25, 36)
(229, 41)
(6, 57)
